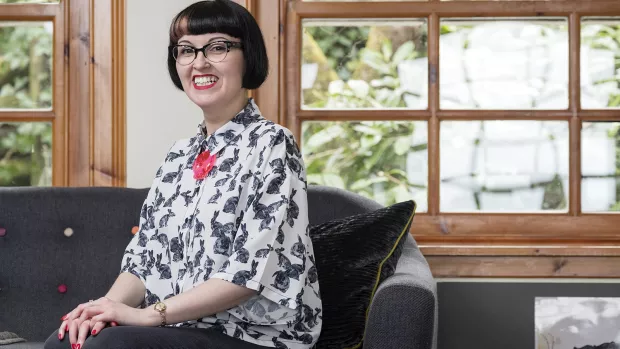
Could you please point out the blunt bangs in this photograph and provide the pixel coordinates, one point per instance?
(226, 17)
(206, 17)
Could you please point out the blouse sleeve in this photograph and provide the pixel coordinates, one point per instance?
(271, 244)
(135, 259)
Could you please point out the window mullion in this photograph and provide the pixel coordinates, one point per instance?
(574, 92)
(433, 127)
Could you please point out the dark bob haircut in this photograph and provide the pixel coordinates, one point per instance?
(226, 17)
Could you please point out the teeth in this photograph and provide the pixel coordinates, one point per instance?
(205, 80)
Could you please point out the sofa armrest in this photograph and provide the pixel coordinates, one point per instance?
(403, 313)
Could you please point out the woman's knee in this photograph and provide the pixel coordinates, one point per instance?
(54, 343)
(108, 338)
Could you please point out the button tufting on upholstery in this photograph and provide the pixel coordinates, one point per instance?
(135, 230)
(2, 232)
(62, 288)
(68, 232)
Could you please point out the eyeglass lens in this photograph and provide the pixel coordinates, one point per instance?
(215, 52)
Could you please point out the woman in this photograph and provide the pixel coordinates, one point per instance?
(222, 258)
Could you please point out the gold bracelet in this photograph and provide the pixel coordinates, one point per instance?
(161, 308)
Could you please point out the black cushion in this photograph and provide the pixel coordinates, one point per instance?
(353, 256)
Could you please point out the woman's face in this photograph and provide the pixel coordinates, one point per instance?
(212, 85)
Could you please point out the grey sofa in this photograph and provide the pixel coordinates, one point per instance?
(36, 257)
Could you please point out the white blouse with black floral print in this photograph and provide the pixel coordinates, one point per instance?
(246, 223)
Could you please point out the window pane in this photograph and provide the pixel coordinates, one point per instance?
(29, 1)
(383, 160)
(600, 166)
(600, 63)
(26, 154)
(364, 64)
(26, 65)
(358, 0)
(515, 0)
(507, 166)
(504, 64)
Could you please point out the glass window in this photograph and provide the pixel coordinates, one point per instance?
(26, 65)
(26, 154)
(364, 64)
(29, 1)
(357, 0)
(600, 63)
(600, 166)
(383, 160)
(503, 64)
(504, 166)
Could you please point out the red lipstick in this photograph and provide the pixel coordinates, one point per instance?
(203, 87)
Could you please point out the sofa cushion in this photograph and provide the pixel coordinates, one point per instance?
(353, 256)
(9, 338)
(26, 345)
(43, 259)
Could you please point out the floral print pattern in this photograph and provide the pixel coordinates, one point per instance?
(245, 222)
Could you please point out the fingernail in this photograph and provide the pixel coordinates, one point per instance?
(64, 318)
(113, 323)
(94, 332)
(77, 346)
(73, 346)
(66, 328)
(59, 336)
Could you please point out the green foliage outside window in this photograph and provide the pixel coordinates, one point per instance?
(367, 157)
(25, 84)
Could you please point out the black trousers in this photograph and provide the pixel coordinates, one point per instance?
(133, 337)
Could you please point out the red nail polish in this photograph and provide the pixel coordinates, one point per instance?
(64, 318)
(66, 328)
(94, 332)
(113, 323)
(73, 346)
(59, 336)
(77, 346)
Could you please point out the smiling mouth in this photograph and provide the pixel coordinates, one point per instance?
(204, 82)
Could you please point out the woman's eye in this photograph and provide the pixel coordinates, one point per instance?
(186, 51)
(218, 48)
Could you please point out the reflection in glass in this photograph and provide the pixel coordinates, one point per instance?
(600, 63)
(386, 161)
(26, 154)
(26, 65)
(600, 166)
(363, 64)
(504, 166)
(504, 64)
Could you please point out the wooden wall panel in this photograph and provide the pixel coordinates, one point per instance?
(79, 92)
(108, 83)
(267, 96)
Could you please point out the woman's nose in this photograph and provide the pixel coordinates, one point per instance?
(201, 61)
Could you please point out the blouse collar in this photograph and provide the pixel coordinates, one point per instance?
(231, 131)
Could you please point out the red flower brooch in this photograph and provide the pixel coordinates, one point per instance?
(203, 164)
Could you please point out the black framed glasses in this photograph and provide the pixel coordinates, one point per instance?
(214, 51)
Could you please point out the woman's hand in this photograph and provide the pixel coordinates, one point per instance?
(78, 324)
(105, 310)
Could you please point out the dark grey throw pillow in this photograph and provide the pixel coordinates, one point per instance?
(353, 256)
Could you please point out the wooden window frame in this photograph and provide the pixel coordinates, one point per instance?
(88, 112)
(537, 245)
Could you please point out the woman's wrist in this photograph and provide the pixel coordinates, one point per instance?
(151, 316)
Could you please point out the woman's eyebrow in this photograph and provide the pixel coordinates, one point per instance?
(218, 38)
(211, 40)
